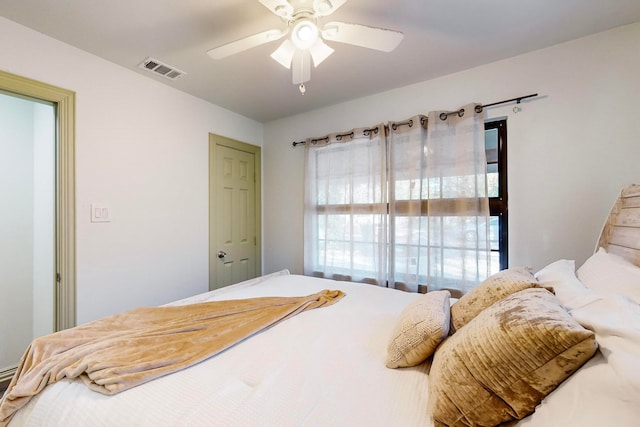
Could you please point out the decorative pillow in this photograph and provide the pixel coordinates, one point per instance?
(502, 364)
(607, 273)
(561, 276)
(495, 288)
(423, 324)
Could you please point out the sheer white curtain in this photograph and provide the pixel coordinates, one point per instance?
(439, 209)
(408, 210)
(408, 223)
(345, 228)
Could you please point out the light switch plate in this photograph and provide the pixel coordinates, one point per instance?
(100, 212)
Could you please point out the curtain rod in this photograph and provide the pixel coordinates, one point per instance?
(479, 108)
(443, 116)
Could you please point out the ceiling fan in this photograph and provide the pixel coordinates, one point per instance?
(306, 43)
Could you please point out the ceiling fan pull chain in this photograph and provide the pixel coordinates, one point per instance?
(302, 87)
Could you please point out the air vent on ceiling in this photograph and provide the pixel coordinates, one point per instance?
(157, 67)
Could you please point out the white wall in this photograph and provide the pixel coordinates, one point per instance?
(570, 150)
(142, 148)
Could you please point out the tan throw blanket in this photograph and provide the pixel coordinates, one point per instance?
(122, 351)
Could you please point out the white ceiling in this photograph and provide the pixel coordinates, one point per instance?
(441, 37)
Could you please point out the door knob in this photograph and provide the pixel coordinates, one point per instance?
(222, 254)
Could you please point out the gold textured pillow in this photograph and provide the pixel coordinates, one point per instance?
(506, 360)
(495, 288)
(423, 324)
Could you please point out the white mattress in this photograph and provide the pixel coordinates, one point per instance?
(324, 367)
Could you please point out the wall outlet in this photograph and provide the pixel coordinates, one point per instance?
(100, 212)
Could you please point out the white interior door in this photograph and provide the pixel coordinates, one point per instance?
(234, 213)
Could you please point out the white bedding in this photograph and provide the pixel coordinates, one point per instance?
(320, 368)
(323, 369)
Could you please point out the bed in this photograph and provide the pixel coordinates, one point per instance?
(328, 366)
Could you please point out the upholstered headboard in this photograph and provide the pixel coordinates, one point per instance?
(621, 232)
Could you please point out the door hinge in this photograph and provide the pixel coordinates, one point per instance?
(58, 278)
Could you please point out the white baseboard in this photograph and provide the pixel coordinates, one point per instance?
(7, 373)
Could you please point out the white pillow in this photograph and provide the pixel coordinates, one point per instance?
(607, 273)
(561, 276)
(615, 319)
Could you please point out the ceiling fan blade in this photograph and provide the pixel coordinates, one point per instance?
(319, 52)
(301, 67)
(281, 8)
(246, 43)
(326, 7)
(362, 35)
(284, 53)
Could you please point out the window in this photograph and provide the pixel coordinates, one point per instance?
(352, 233)
(349, 218)
(438, 236)
(495, 133)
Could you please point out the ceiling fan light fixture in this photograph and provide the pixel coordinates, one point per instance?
(284, 53)
(319, 52)
(304, 34)
(305, 48)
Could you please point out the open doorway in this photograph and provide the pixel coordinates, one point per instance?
(37, 189)
(27, 249)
